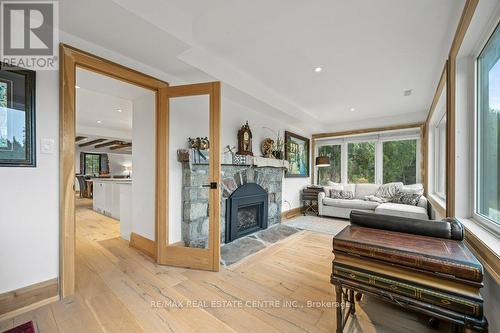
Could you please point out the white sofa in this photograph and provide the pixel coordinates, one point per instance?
(343, 207)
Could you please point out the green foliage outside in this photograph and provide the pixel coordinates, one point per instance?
(332, 172)
(92, 164)
(361, 162)
(3, 95)
(400, 161)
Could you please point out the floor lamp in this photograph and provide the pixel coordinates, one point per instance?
(321, 161)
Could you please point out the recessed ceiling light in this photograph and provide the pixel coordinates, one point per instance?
(119, 110)
(318, 69)
(408, 92)
(352, 109)
(99, 121)
(77, 87)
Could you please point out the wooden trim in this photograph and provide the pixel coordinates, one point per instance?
(67, 120)
(450, 138)
(423, 154)
(162, 165)
(486, 256)
(214, 174)
(24, 299)
(112, 69)
(313, 160)
(143, 244)
(365, 130)
(467, 14)
(438, 93)
(437, 206)
(291, 213)
(190, 90)
(71, 58)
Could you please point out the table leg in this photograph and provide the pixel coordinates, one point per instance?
(352, 301)
(340, 319)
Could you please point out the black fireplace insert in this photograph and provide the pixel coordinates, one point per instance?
(246, 211)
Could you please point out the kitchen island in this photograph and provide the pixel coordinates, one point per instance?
(113, 198)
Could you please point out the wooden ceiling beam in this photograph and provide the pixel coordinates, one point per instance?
(121, 146)
(109, 143)
(90, 143)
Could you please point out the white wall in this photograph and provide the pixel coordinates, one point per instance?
(234, 115)
(29, 202)
(143, 161)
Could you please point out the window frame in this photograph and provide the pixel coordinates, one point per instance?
(482, 220)
(436, 148)
(85, 162)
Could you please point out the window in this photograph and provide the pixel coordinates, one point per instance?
(92, 165)
(400, 161)
(332, 172)
(361, 162)
(488, 131)
(440, 158)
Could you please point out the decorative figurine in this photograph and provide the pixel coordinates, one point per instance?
(245, 140)
(267, 148)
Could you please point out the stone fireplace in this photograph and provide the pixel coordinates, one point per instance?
(237, 180)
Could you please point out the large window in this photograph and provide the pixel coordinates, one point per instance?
(332, 172)
(400, 161)
(361, 162)
(92, 164)
(440, 158)
(488, 132)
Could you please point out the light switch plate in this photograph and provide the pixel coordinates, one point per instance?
(47, 146)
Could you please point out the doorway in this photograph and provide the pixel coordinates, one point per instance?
(164, 250)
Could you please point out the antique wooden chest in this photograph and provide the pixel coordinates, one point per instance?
(439, 277)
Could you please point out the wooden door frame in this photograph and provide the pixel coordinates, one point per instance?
(69, 59)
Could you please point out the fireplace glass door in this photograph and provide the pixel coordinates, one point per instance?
(193, 228)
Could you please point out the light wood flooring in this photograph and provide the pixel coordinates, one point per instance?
(117, 287)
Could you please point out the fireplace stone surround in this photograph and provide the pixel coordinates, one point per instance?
(195, 196)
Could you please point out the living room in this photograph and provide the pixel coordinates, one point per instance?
(277, 128)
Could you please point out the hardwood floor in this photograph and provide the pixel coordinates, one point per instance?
(118, 289)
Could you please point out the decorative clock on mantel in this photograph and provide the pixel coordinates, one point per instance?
(245, 140)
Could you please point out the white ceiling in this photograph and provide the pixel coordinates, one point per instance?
(98, 99)
(370, 51)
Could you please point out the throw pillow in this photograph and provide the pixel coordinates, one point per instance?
(375, 199)
(414, 189)
(389, 190)
(411, 199)
(340, 194)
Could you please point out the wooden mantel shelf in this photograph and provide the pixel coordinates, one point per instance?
(269, 162)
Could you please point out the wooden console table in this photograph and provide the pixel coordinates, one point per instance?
(438, 277)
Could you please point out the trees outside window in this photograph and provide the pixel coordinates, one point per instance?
(332, 172)
(92, 164)
(488, 131)
(400, 161)
(361, 162)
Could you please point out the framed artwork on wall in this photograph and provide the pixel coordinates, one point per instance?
(17, 117)
(297, 154)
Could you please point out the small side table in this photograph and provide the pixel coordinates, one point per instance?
(309, 198)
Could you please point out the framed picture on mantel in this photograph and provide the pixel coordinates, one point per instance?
(17, 117)
(297, 154)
